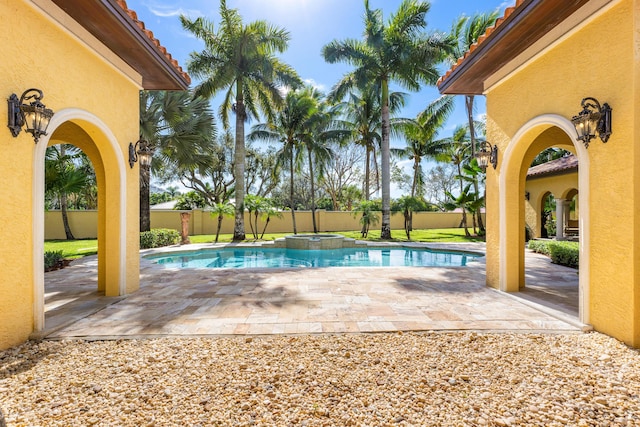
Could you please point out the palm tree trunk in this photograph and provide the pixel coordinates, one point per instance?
(145, 215)
(472, 136)
(464, 211)
(313, 195)
(65, 218)
(416, 170)
(238, 167)
(219, 227)
(385, 154)
(367, 173)
(293, 207)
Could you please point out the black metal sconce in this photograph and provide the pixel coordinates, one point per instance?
(486, 154)
(593, 118)
(527, 195)
(35, 116)
(140, 151)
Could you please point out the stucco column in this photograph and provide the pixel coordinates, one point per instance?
(560, 204)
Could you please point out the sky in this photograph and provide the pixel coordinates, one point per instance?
(311, 24)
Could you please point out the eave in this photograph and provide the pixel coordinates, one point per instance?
(519, 28)
(111, 22)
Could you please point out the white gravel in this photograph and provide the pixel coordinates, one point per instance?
(410, 379)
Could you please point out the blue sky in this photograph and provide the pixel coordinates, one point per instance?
(312, 24)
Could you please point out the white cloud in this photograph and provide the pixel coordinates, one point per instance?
(165, 11)
(315, 85)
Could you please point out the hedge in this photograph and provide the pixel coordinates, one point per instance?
(562, 253)
(158, 237)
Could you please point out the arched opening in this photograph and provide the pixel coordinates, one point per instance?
(87, 132)
(538, 134)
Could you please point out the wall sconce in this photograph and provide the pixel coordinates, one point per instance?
(141, 150)
(487, 154)
(593, 118)
(527, 195)
(34, 116)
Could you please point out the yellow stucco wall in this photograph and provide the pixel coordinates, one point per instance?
(600, 60)
(73, 78)
(84, 223)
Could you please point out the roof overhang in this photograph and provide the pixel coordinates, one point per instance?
(520, 28)
(113, 25)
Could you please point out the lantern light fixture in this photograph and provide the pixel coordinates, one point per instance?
(486, 154)
(35, 116)
(140, 151)
(593, 119)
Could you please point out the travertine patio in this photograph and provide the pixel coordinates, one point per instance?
(293, 301)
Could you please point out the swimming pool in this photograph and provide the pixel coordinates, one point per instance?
(287, 258)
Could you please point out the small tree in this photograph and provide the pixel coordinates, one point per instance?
(408, 205)
(221, 210)
(370, 216)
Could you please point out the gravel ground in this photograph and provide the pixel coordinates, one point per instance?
(410, 379)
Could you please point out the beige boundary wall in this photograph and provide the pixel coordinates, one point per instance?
(83, 223)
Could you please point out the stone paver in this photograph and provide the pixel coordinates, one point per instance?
(199, 302)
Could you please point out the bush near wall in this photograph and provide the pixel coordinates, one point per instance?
(562, 253)
(158, 237)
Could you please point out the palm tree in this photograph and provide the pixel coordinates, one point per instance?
(221, 210)
(180, 130)
(396, 52)
(290, 126)
(457, 152)
(324, 129)
(420, 138)
(466, 31)
(240, 58)
(63, 178)
(362, 111)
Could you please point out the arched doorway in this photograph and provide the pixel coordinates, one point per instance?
(539, 133)
(90, 134)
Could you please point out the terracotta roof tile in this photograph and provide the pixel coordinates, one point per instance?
(507, 12)
(554, 167)
(134, 16)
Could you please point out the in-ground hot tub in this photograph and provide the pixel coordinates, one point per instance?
(314, 241)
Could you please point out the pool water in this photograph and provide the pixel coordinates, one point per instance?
(286, 258)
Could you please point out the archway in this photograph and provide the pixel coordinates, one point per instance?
(539, 133)
(89, 133)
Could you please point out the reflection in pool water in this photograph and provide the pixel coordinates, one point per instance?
(286, 258)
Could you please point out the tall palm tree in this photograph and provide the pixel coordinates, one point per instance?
(240, 59)
(180, 130)
(290, 126)
(362, 111)
(421, 138)
(457, 152)
(324, 129)
(397, 51)
(466, 31)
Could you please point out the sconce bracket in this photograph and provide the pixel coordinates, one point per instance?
(15, 116)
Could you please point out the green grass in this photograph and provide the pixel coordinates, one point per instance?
(433, 235)
(80, 248)
(72, 248)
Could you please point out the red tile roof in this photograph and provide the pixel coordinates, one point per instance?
(521, 26)
(554, 167)
(507, 12)
(133, 15)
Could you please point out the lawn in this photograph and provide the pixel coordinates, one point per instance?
(72, 248)
(80, 248)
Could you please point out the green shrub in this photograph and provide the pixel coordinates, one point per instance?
(539, 246)
(562, 253)
(52, 259)
(550, 226)
(159, 237)
(565, 253)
